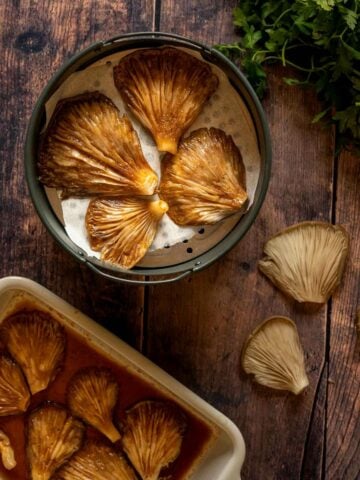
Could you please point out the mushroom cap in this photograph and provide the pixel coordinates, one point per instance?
(90, 149)
(96, 461)
(53, 435)
(14, 392)
(166, 89)
(273, 354)
(306, 261)
(7, 452)
(205, 181)
(37, 342)
(92, 395)
(123, 229)
(152, 438)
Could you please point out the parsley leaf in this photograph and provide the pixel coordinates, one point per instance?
(320, 38)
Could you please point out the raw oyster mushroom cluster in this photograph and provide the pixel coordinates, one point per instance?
(305, 261)
(90, 150)
(59, 444)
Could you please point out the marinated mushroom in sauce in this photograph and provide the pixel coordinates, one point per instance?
(53, 435)
(37, 342)
(96, 461)
(14, 392)
(152, 438)
(92, 395)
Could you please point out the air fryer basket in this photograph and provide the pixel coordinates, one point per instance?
(210, 243)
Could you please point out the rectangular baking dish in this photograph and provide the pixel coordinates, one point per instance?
(224, 459)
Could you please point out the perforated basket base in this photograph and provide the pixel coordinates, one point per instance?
(206, 237)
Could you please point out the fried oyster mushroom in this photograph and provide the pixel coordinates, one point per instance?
(205, 181)
(123, 229)
(37, 342)
(152, 438)
(96, 461)
(7, 452)
(92, 395)
(53, 435)
(273, 354)
(14, 392)
(306, 261)
(90, 149)
(166, 89)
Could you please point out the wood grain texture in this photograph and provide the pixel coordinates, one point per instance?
(37, 37)
(208, 21)
(196, 329)
(343, 405)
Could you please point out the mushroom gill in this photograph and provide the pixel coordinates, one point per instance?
(96, 461)
(306, 261)
(14, 392)
(153, 434)
(205, 181)
(90, 149)
(37, 342)
(123, 229)
(166, 89)
(92, 395)
(273, 354)
(53, 435)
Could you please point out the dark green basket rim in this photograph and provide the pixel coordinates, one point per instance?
(125, 42)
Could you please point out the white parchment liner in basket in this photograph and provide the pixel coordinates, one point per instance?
(225, 110)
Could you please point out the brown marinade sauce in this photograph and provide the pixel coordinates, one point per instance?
(132, 389)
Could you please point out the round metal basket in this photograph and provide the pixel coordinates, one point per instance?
(208, 245)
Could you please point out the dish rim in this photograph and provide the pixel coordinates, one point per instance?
(148, 369)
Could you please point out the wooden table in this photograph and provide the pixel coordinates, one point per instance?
(195, 329)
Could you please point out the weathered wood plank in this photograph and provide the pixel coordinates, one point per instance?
(196, 328)
(205, 20)
(343, 406)
(37, 37)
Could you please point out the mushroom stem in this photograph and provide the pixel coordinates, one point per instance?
(300, 386)
(166, 145)
(112, 433)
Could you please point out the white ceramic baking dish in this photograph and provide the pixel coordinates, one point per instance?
(224, 459)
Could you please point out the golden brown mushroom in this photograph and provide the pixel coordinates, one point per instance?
(37, 342)
(53, 435)
(7, 452)
(166, 89)
(96, 461)
(306, 261)
(123, 229)
(273, 354)
(90, 149)
(153, 434)
(14, 392)
(92, 395)
(205, 181)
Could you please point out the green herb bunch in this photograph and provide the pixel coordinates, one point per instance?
(320, 38)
